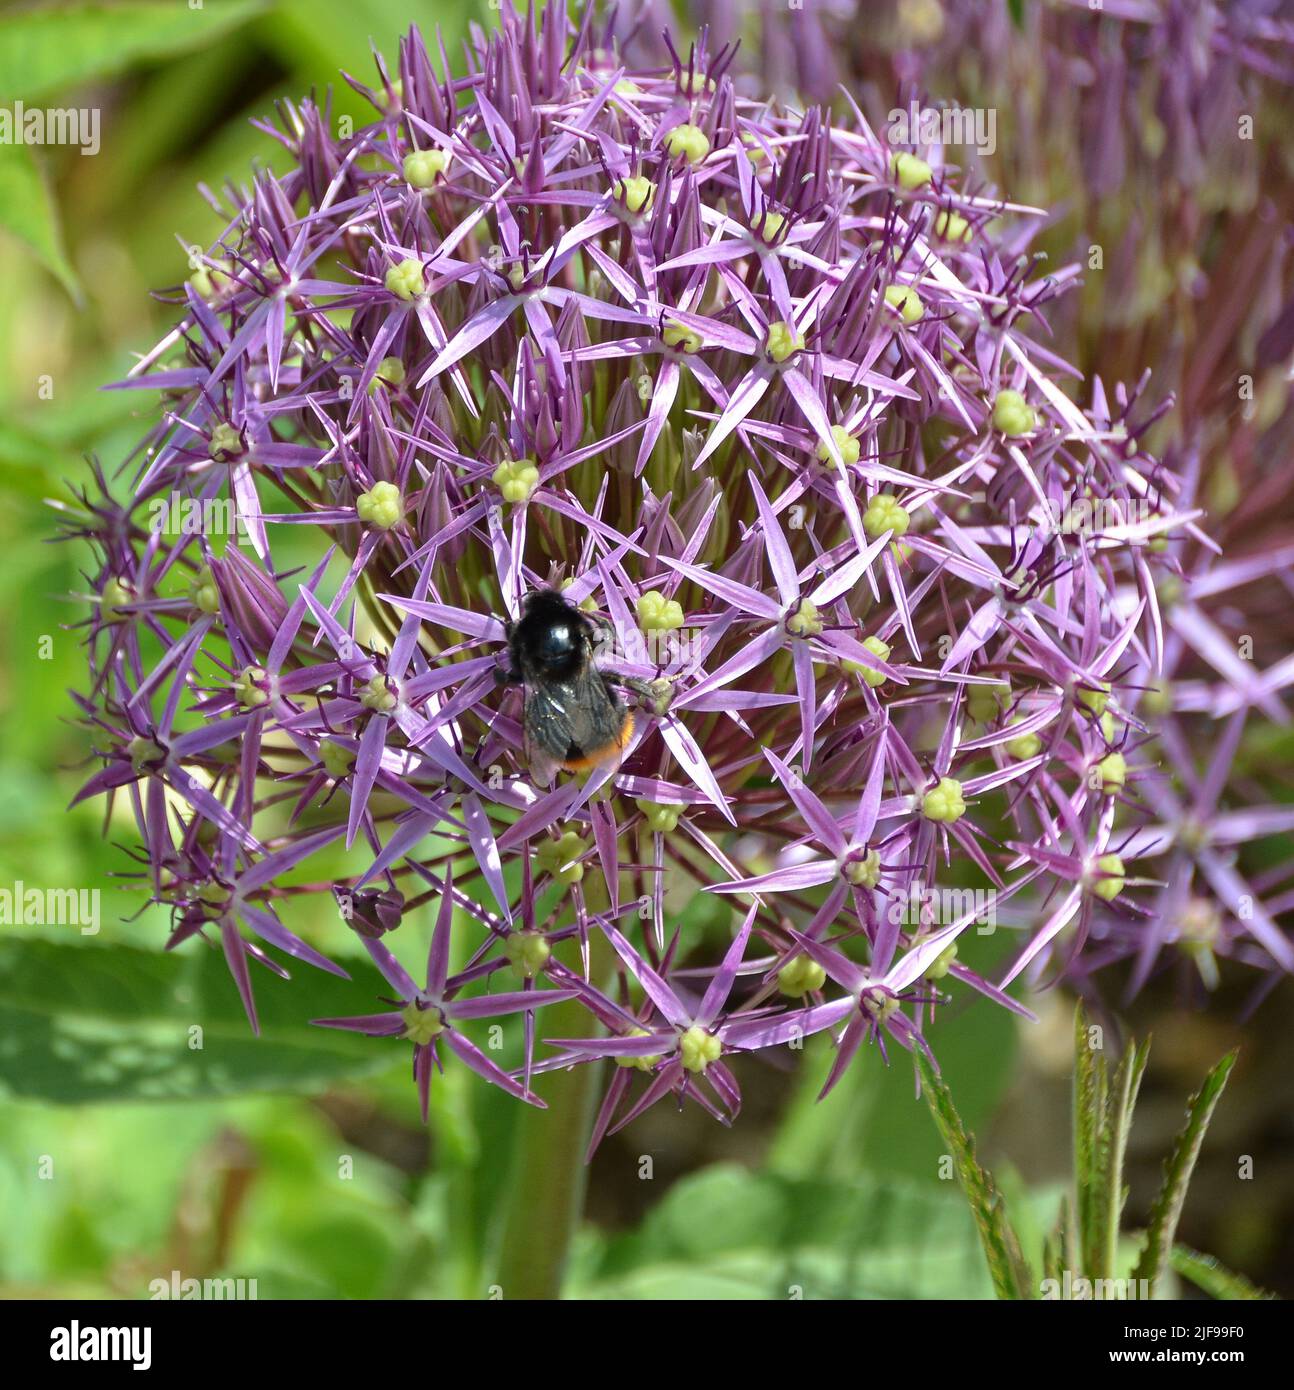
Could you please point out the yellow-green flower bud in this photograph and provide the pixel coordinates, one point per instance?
(880, 1003)
(944, 803)
(1012, 414)
(528, 952)
(805, 621)
(800, 976)
(636, 192)
(641, 1063)
(689, 141)
(943, 963)
(405, 280)
(661, 816)
(1094, 700)
(1111, 885)
(985, 702)
(390, 372)
(680, 337)
(557, 857)
(381, 506)
(145, 752)
(909, 171)
(203, 593)
(952, 226)
(423, 167)
(656, 613)
(1023, 746)
(116, 592)
(768, 225)
(783, 341)
(878, 648)
(1113, 772)
(906, 302)
(884, 513)
(847, 446)
(516, 479)
(338, 760)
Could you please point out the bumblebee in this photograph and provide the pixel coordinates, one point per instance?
(574, 720)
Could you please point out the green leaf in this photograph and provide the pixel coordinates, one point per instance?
(1178, 1168)
(1091, 1147)
(727, 1232)
(1016, 10)
(44, 49)
(1214, 1278)
(1012, 1279)
(1118, 1124)
(95, 1023)
(28, 212)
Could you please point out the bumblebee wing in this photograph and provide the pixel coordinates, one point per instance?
(600, 725)
(574, 724)
(547, 729)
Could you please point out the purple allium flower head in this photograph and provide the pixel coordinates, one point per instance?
(778, 414)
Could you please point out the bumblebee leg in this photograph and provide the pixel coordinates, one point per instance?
(507, 675)
(654, 695)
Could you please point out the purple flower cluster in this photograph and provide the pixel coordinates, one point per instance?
(765, 395)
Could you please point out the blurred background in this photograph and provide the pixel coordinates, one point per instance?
(300, 1161)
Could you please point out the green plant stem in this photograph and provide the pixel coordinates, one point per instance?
(546, 1194)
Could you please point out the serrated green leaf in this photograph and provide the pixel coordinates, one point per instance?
(1214, 1278)
(1118, 1123)
(1178, 1168)
(28, 212)
(95, 1023)
(1011, 1276)
(1091, 1146)
(44, 49)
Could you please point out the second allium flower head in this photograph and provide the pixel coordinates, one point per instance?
(759, 391)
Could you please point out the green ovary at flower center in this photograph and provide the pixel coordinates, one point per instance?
(804, 620)
(249, 689)
(422, 1025)
(516, 479)
(689, 141)
(405, 280)
(879, 1003)
(376, 695)
(800, 976)
(847, 446)
(657, 613)
(381, 506)
(945, 802)
(884, 513)
(698, 1049)
(1107, 882)
(226, 443)
(681, 337)
(783, 341)
(862, 870)
(528, 952)
(661, 816)
(636, 192)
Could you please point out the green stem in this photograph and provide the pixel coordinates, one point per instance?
(546, 1195)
